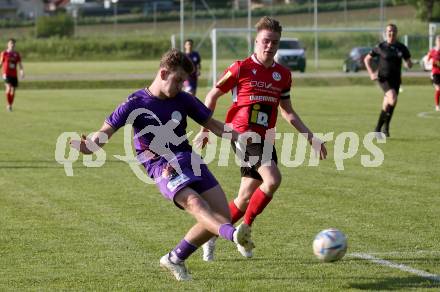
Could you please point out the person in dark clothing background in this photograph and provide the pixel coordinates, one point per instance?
(391, 53)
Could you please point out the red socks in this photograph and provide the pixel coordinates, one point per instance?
(257, 204)
(437, 97)
(236, 213)
(10, 98)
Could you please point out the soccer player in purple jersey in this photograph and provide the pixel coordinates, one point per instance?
(190, 85)
(158, 115)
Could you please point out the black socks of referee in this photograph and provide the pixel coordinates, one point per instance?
(385, 119)
(389, 112)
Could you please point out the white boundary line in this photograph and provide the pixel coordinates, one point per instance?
(402, 253)
(420, 273)
(428, 115)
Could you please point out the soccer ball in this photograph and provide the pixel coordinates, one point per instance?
(330, 245)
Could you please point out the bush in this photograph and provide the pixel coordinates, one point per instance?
(60, 25)
(54, 48)
(7, 23)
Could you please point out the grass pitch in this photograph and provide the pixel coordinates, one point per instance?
(103, 229)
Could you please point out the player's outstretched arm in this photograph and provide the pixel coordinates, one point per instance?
(408, 63)
(20, 66)
(201, 139)
(220, 128)
(292, 118)
(99, 138)
(367, 62)
(212, 97)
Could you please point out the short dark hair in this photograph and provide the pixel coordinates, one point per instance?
(174, 59)
(190, 41)
(393, 26)
(12, 40)
(268, 23)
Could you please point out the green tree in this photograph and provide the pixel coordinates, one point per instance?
(60, 25)
(428, 10)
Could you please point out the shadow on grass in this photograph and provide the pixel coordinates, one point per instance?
(397, 284)
(33, 164)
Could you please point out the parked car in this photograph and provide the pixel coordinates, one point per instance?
(159, 6)
(94, 9)
(355, 60)
(291, 54)
(425, 64)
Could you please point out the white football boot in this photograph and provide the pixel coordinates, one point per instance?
(242, 237)
(244, 252)
(179, 271)
(208, 249)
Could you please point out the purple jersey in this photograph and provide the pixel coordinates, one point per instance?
(159, 124)
(196, 60)
(160, 131)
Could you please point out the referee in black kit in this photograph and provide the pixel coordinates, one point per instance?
(390, 54)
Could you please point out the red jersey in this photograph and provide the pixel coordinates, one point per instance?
(434, 55)
(256, 93)
(9, 61)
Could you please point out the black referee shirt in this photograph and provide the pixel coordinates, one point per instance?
(390, 59)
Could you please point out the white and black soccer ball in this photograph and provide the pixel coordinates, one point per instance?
(330, 245)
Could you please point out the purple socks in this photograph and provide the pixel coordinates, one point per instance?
(227, 231)
(182, 251)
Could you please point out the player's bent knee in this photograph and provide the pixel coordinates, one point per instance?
(195, 204)
(272, 183)
(188, 199)
(243, 199)
(391, 96)
(245, 195)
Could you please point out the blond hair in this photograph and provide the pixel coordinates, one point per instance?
(268, 23)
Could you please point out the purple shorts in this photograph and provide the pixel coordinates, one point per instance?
(192, 173)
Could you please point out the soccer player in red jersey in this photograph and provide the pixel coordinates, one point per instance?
(434, 55)
(259, 86)
(9, 60)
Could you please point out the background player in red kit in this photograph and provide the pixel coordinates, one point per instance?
(259, 85)
(9, 60)
(434, 55)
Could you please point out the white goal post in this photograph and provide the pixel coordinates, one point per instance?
(215, 32)
(432, 32)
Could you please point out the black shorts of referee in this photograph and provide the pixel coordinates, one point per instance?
(389, 83)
